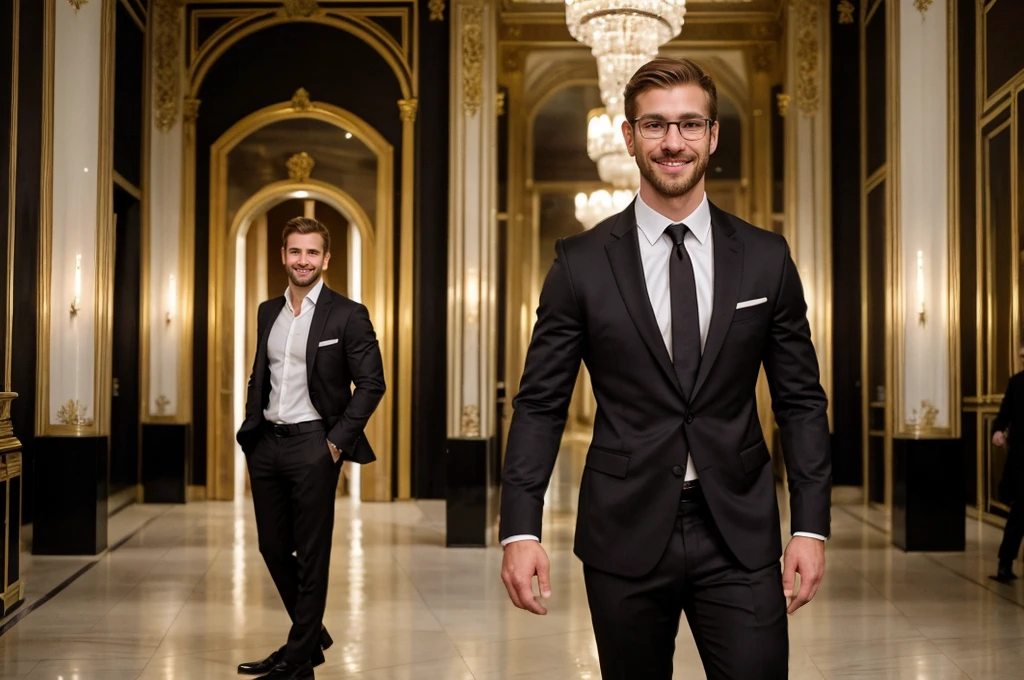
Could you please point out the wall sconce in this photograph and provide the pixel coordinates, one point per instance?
(76, 301)
(921, 316)
(471, 295)
(172, 297)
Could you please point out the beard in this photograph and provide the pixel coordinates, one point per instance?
(675, 185)
(308, 279)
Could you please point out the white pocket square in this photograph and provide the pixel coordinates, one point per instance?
(751, 303)
(325, 343)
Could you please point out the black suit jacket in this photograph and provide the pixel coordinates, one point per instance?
(1011, 419)
(594, 306)
(330, 371)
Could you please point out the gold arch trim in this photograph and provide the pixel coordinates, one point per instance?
(361, 27)
(380, 290)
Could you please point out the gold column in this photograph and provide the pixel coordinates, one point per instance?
(518, 254)
(407, 112)
(77, 222)
(11, 592)
(473, 222)
(926, 292)
(808, 221)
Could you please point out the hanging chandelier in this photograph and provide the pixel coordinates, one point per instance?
(623, 36)
(600, 205)
(607, 148)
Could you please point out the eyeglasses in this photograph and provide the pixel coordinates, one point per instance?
(691, 129)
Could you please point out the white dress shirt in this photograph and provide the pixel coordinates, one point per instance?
(289, 390)
(655, 248)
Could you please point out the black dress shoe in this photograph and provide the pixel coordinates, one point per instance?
(1005, 572)
(262, 666)
(290, 671)
(267, 664)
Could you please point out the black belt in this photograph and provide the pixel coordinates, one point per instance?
(295, 429)
(691, 492)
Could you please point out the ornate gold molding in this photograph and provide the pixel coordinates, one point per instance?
(300, 167)
(436, 8)
(78, 4)
(922, 5)
(300, 100)
(167, 36)
(762, 56)
(845, 9)
(8, 442)
(191, 112)
(407, 109)
(300, 8)
(499, 104)
(73, 413)
(472, 56)
(808, 62)
(782, 100)
(162, 402)
(470, 421)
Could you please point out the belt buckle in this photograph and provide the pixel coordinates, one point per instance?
(280, 431)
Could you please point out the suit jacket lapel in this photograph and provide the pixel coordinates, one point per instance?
(316, 328)
(728, 274)
(624, 256)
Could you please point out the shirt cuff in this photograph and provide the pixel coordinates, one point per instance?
(810, 535)
(519, 537)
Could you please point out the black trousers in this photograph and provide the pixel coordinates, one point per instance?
(294, 480)
(738, 617)
(1013, 534)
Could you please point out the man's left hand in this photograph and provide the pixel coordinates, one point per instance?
(335, 451)
(804, 556)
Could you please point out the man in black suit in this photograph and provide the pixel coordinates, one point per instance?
(1011, 420)
(302, 422)
(674, 305)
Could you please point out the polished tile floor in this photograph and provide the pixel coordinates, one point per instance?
(187, 597)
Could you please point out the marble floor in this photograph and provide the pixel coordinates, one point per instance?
(186, 596)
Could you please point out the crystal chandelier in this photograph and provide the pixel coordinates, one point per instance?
(607, 148)
(623, 36)
(600, 205)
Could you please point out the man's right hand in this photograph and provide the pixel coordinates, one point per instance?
(522, 560)
(998, 439)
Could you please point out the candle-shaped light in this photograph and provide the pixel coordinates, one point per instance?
(76, 301)
(172, 297)
(920, 288)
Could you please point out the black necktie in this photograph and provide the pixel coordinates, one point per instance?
(686, 348)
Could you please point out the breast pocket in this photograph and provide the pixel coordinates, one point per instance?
(752, 310)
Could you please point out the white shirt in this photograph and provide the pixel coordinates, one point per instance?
(286, 349)
(655, 248)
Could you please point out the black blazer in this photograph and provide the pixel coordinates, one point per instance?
(330, 371)
(594, 306)
(1011, 419)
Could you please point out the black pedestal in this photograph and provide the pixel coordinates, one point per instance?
(471, 490)
(70, 504)
(165, 457)
(928, 504)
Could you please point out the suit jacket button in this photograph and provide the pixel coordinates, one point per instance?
(677, 470)
(689, 418)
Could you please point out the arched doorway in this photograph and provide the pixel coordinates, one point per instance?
(356, 164)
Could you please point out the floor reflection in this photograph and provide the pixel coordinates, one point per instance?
(188, 597)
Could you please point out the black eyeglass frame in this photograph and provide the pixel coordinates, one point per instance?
(708, 123)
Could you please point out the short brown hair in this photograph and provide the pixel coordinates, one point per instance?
(665, 73)
(305, 225)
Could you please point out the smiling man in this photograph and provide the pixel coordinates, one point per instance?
(302, 422)
(674, 305)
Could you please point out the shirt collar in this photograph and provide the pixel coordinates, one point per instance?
(313, 295)
(653, 223)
